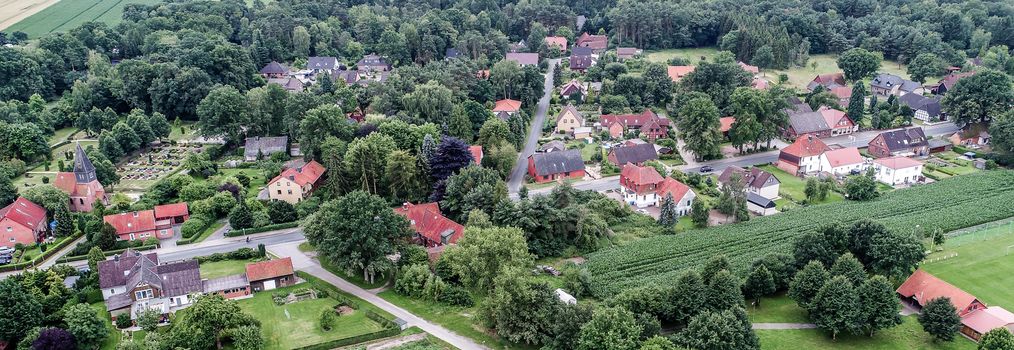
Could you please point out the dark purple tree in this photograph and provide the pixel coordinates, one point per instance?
(452, 154)
(232, 188)
(54, 339)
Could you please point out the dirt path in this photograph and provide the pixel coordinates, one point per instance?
(13, 11)
(396, 342)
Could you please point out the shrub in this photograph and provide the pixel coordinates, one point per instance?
(457, 296)
(123, 321)
(194, 227)
(327, 319)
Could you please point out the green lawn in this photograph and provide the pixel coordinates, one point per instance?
(176, 133)
(68, 14)
(257, 180)
(61, 135)
(457, 319)
(908, 335)
(794, 188)
(114, 334)
(984, 266)
(295, 325)
(216, 269)
(777, 309)
(210, 230)
(798, 76)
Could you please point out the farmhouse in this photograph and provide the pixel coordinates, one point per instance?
(842, 161)
(545, 167)
(925, 108)
(890, 84)
(748, 68)
(802, 156)
(568, 119)
(976, 134)
(921, 287)
(648, 123)
(257, 148)
(626, 53)
(296, 184)
(432, 228)
(82, 185)
(523, 58)
(271, 274)
(903, 142)
(635, 154)
(756, 180)
(828, 81)
(676, 73)
(897, 170)
(948, 82)
(22, 222)
(843, 94)
(598, 43)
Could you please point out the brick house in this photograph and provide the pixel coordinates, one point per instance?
(22, 222)
(558, 42)
(176, 213)
(139, 225)
(647, 122)
(635, 154)
(271, 274)
(824, 122)
(597, 43)
(546, 167)
(902, 142)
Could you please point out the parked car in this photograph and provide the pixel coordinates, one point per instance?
(707, 169)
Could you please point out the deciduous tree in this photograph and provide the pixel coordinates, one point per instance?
(857, 63)
(835, 308)
(940, 319)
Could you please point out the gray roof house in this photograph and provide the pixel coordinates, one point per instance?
(563, 162)
(890, 84)
(523, 58)
(133, 282)
(635, 154)
(373, 62)
(319, 64)
(264, 146)
(925, 108)
(553, 146)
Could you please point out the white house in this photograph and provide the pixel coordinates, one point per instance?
(757, 181)
(897, 170)
(680, 192)
(760, 205)
(642, 187)
(842, 161)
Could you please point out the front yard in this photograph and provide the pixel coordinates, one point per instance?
(794, 188)
(295, 325)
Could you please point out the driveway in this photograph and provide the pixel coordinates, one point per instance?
(304, 263)
(534, 132)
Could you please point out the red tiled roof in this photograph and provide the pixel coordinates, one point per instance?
(951, 79)
(627, 120)
(269, 269)
(670, 186)
(507, 106)
(726, 123)
(171, 210)
(302, 176)
(842, 92)
(987, 319)
(832, 116)
(595, 42)
(924, 287)
(759, 84)
(66, 182)
(476, 151)
(843, 156)
(830, 78)
(640, 175)
(427, 220)
(129, 222)
(898, 162)
(558, 41)
(24, 212)
(678, 72)
(806, 146)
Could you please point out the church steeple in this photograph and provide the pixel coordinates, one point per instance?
(84, 171)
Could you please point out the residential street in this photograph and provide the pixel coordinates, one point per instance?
(304, 263)
(860, 140)
(534, 133)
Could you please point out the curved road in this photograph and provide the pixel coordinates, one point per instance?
(534, 131)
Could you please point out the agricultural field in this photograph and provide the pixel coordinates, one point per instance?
(798, 76)
(954, 203)
(980, 262)
(61, 16)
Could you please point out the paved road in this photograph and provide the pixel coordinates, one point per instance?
(534, 132)
(861, 140)
(304, 263)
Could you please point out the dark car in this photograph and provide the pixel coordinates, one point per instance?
(706, 169)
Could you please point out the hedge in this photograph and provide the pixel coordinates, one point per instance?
(265, 228)
(390, 327)
(45, 255)
(389, 332)
(68, 259)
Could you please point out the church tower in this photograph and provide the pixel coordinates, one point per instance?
(84, 171)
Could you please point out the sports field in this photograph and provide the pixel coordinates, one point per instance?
(40, 17)
(984, 265)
